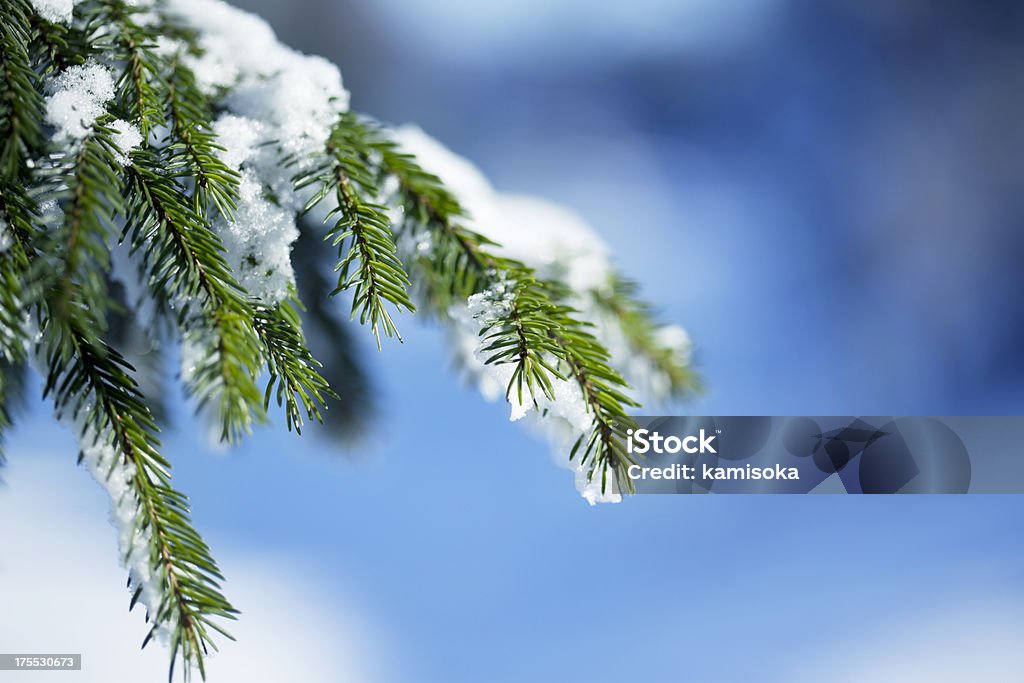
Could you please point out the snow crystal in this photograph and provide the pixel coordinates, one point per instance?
(127, 138)
(57, 11)
(77, 97)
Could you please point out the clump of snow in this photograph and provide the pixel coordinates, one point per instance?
(258, 242)
(676, 338)
(76, 99)
(553, 240)
(492, 304)
(168, 47)
(127, 139)
(57, 11)
(258, 238)
(595, 491)
(5, 237)
(50, 213)
(298, 97)
(235, 44)
(302, 100)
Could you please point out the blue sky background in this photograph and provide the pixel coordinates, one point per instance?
(826, 194)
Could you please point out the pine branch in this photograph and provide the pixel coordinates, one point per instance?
(517, 329)
(331, 339)
(142, 78)
(369, 263)
(185, 261)
(15, 286)
(17, 289)
(293, 369)
(603, 391)
(93, 384)
(457, 264)
(21, 105)
(89, 180)
(171, 197)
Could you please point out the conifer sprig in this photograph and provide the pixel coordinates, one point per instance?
(185, 263)
(295, 381)
(143, 77)
(193, 146)
(92, 384)
(20, 99)
(89, 182)
(17, 291)
(369, 264)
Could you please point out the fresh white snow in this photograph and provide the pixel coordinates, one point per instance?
(76, 99)
(127, 138)
(57, 11)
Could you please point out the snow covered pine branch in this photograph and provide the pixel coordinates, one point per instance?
(162, 165)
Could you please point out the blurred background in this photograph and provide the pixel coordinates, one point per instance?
(827, 194)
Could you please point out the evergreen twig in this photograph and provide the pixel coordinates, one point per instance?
(369, 264)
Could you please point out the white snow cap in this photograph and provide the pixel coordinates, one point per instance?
(127, 138)
(57, 11)
(77, 97)
(552, 239)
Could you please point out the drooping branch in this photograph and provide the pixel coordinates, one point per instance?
(369, 263)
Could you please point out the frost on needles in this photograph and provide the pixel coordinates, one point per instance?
(163, 168)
